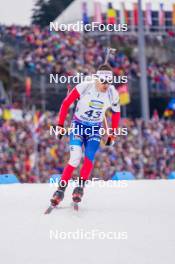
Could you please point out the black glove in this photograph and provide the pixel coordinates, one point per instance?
(110, 141)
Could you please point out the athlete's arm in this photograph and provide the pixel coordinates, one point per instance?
(71, 98)
(115, 120)
(115, 124)
(115, 109)
(115, 116)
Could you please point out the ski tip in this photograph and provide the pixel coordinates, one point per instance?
(49, 209)
(75, 206)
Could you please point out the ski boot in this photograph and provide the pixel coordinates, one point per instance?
(76, 197)
(77, 194)
(78, 191)
(58, 196)
(56, 199)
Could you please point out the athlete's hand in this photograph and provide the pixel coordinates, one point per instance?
(111, 140)
(61, 131)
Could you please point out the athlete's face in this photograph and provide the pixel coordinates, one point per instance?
(102, 87)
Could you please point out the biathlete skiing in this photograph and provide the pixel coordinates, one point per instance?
(94, 98)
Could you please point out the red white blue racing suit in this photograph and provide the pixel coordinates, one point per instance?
(86, 124)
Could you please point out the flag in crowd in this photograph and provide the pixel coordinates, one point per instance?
(155, 116)
(111, 14)
(148, 14)
(168, 113)
(98, 13)
(53, 152)
(171, 104)
(124, 94)
(161, 15)
(123, 14)
(170, 110)
(85, 13)
(6, 114)
(28, 84)
(135, 14)
(38, 119)
(173, 15)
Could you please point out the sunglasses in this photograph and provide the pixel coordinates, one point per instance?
(104, 82)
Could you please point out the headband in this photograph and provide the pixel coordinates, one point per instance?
(104, 75)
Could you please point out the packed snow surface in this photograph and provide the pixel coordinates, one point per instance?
(132, 223)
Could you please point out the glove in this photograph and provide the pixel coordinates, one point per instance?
(60, 130)
(111, 140)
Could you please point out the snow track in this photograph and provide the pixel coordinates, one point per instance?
(142, 215)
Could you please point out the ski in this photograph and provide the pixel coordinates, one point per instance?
(49, 209)
(75, 206)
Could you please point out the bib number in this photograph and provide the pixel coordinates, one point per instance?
(93, 113)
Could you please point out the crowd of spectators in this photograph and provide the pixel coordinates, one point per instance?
(31, 153)
(68, 53)
(148, 151)
(161, 77)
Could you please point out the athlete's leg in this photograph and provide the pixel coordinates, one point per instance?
(75, 157)
(91, 147)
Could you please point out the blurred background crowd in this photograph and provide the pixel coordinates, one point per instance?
(29, 151)
(43, 51)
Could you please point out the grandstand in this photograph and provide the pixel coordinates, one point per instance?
(36, 57)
